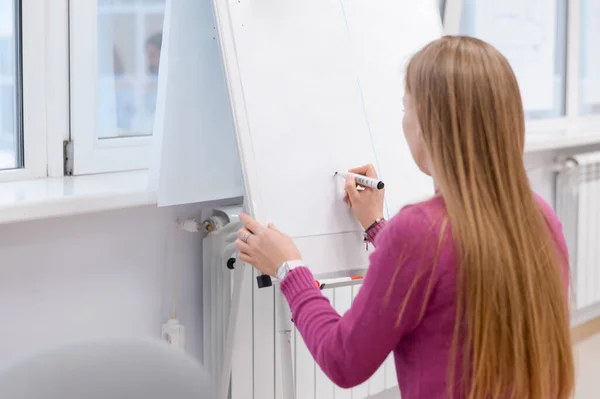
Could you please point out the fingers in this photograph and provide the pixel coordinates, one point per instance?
(244, 235)
(365, 170)
(272, 227)
(252, 225)
(350, 186)
(347, 201)
(242, 246)
(245, 258)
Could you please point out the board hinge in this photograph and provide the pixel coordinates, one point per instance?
(68, 158)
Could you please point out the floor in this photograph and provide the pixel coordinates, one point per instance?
(587, 358)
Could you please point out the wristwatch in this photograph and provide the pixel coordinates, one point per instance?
(286, 267)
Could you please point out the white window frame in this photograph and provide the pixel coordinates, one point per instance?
(93, 155)
(57, 85)
(33, 53)
(572, 121)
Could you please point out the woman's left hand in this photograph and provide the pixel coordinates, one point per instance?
(265, 248)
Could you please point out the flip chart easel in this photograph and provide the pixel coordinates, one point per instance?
(315, 87)
(222, 223)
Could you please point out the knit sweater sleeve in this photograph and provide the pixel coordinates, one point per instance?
(350, 348)
(374, 232)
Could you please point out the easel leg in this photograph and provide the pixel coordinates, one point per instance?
(284, 334)
(225, 374)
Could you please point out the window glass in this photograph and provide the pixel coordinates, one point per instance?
(590, 57)
(129, 44)
(532, 36)
(11, 148)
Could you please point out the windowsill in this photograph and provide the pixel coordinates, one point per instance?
(65, 196)
(562, 138)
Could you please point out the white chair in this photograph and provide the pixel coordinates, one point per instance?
(107, 369)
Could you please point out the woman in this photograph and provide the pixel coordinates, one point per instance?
(467, 289)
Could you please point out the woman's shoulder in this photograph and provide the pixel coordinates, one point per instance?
(555, 226)
(547, 210)
(419, 235)
(429, 210)
(432, 213)
(420, 220)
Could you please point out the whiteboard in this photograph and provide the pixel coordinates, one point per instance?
(316, 86)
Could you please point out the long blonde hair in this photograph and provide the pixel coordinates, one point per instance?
(512, 322)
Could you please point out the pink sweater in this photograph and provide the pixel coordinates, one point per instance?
(351, 348)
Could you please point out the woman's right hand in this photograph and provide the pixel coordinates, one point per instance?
(367, 204)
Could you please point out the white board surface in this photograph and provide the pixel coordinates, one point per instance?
(316, 86)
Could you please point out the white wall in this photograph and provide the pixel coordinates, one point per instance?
(97, 275)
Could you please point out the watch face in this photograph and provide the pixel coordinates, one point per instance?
(287, 267)
(283, 270)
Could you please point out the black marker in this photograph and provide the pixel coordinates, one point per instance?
(363, 180)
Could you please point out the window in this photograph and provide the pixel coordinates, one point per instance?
(11, 127)
(532, 34)
(590, 57)
(115, 54)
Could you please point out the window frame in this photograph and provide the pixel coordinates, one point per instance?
(57, 88)
(33, 92)
(91, 154)
(573, 89)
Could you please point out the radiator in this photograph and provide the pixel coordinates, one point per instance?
(217, 282)
(577, 197)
